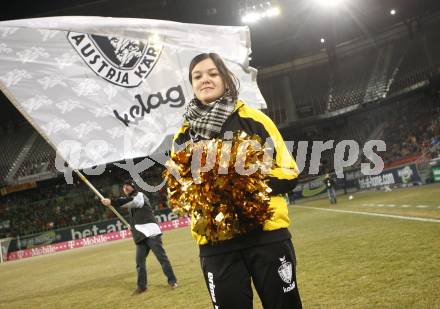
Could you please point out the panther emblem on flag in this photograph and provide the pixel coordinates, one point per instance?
(121, 61)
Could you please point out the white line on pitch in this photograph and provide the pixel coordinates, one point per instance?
(406, 206)
(373, 214)
(422, 206)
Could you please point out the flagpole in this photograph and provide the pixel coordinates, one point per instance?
(89, 184)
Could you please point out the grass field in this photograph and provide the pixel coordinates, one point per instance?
(345, 260)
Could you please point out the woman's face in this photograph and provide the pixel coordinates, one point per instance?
(207, 83)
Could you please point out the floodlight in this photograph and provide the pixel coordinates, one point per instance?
(259, 10)
(328, 3)
(251, 17)
(273, 11)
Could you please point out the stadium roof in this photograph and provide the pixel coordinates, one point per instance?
(296, 31)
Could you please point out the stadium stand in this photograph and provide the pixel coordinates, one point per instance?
(58, 205)
(314, 80)
(349, 79)
(398, 63)
(412, 130)
(415, 66)
(49, 208)
(40, 159)
(12, 140)
(367, 93)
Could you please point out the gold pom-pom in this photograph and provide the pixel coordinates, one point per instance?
(221, 184)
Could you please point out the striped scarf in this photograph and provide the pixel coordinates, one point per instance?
(206, 120)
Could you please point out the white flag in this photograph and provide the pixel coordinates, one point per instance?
(102, 90)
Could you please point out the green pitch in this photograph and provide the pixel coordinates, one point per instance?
(345, 260)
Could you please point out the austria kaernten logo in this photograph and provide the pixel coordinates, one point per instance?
(123, 62)
(286, 274)
(285, 270)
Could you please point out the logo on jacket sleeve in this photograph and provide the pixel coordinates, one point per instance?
(123, 62)
(285, 272)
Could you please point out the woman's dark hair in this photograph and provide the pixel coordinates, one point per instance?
(230, 80)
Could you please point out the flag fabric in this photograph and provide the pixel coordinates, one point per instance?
(101, 90)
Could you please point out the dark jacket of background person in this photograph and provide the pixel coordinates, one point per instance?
(329, 182)
(139, 209)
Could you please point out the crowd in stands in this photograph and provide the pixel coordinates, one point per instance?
(336, 130)
(409, 128)
(413, 129)
(45, 209)
(60, 206)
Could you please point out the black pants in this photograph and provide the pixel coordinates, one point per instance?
(142, 250)
(271, 267)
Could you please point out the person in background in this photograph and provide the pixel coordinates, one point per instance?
(330, 185)
(146, 234)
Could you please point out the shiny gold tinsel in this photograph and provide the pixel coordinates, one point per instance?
(223, 199)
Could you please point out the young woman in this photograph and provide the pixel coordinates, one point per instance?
(264, 256)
